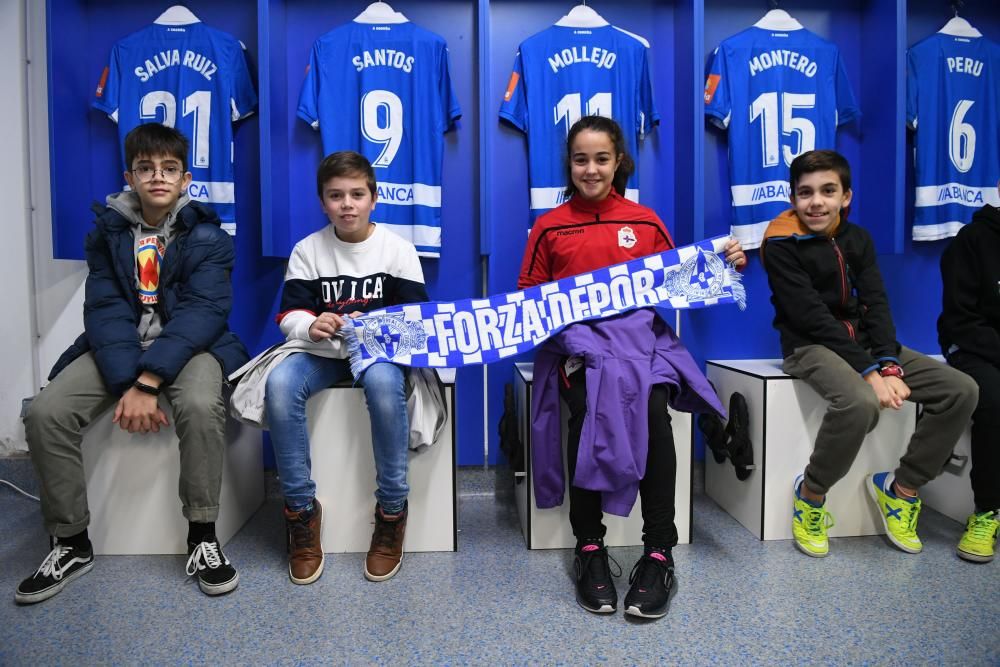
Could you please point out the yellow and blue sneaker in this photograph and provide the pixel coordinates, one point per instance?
(899, 515)
(980, 538)
(809, 524)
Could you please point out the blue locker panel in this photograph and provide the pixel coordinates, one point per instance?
(291, 151)
(668, 183)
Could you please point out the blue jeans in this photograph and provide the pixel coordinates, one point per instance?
(301, 375)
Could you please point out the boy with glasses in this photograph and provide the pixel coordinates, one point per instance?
(159, 327)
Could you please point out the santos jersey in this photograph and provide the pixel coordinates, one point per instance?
(563, 73)
(953, 103)
(780, 94)
(191, 77)
(384, 90)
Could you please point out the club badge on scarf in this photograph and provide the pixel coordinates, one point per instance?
(478, 331)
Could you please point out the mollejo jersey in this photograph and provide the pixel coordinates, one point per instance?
(953, 103)
(384, 90)
(191, 77)
(780, 94)
(566, 72)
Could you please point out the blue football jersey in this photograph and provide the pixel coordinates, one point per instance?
(780, 94)
(191, 77)
(564, 73)
(384, 90)
(953, 103)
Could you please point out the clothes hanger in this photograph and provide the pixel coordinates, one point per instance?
(957, 26)
(380, 12)
(177, 15)
(777, 19)
(582, 16)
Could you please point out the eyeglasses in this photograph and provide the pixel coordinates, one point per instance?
(146, 173)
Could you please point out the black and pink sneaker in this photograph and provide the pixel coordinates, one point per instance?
(595, 589)
(652, 585)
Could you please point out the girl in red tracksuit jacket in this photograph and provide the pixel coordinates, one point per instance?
(598, 227)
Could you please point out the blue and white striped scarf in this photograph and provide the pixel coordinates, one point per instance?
(479, 331)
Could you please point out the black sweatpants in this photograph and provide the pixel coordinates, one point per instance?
(656, 490)
(985, 471)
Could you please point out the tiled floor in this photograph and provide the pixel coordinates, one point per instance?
(740, 601)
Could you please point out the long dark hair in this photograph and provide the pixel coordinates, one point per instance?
(614, 132)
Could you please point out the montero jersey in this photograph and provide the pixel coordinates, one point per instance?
(953, 103)
(191, 77)
(563, 73)
(384, 90)
(780, 94)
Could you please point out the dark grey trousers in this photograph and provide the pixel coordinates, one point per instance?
(948, 398)
(77, 396)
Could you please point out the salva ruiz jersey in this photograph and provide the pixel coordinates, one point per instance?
(191, 77)
(953, 103)
(564, 73)
(384, 90)
(780, 94)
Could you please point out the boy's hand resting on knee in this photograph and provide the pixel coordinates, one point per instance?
(138, 411)
(898, 387)
(327, 325)
(886, 393)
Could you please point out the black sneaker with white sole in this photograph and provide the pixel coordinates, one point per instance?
(595, 589)
(63, 564)
(652, 585)
(215, 573)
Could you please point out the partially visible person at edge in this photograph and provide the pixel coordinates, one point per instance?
(969, 333)
(617, 376)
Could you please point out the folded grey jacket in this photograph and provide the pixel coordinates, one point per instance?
(425, 401)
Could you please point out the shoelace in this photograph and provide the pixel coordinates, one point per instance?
(911, 514)
(302, 534)
(817, 518)
(385, 533)
(204, 555)
(648, 571)
(597, 563)
(984, 526)
(51, 565)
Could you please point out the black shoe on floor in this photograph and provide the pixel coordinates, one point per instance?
(63, 564)
(595, 590)
(215, 573)
(738, 436)
(652, 585)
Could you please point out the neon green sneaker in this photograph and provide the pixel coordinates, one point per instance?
(809, 525)
(899, 516)
(980, 537)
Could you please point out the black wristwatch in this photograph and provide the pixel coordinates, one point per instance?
(146, 388)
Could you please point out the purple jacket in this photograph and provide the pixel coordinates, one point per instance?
(624, 357)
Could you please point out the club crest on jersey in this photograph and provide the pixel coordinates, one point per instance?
(393, 336)
(700, 277)
(626, 237)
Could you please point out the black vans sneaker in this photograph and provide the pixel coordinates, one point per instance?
(595, 590)
(652, 585)
(63, 564)
(216, 575)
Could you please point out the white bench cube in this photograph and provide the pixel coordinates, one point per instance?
(132, 487)
(785, 416)
(550, 528)
(343, 468)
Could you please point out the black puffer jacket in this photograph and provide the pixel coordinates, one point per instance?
(970, 270)
(196, 296)
(828, 291)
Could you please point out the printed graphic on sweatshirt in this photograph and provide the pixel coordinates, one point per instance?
(148, 258)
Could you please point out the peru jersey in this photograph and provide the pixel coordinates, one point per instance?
(384, 90)
(780, 94)
(191, 77)
(563, 73)
(953, 103)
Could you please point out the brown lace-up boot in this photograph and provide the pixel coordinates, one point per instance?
(305, 553)
(386, 552)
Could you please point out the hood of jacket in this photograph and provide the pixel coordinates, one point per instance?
(788, 225)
